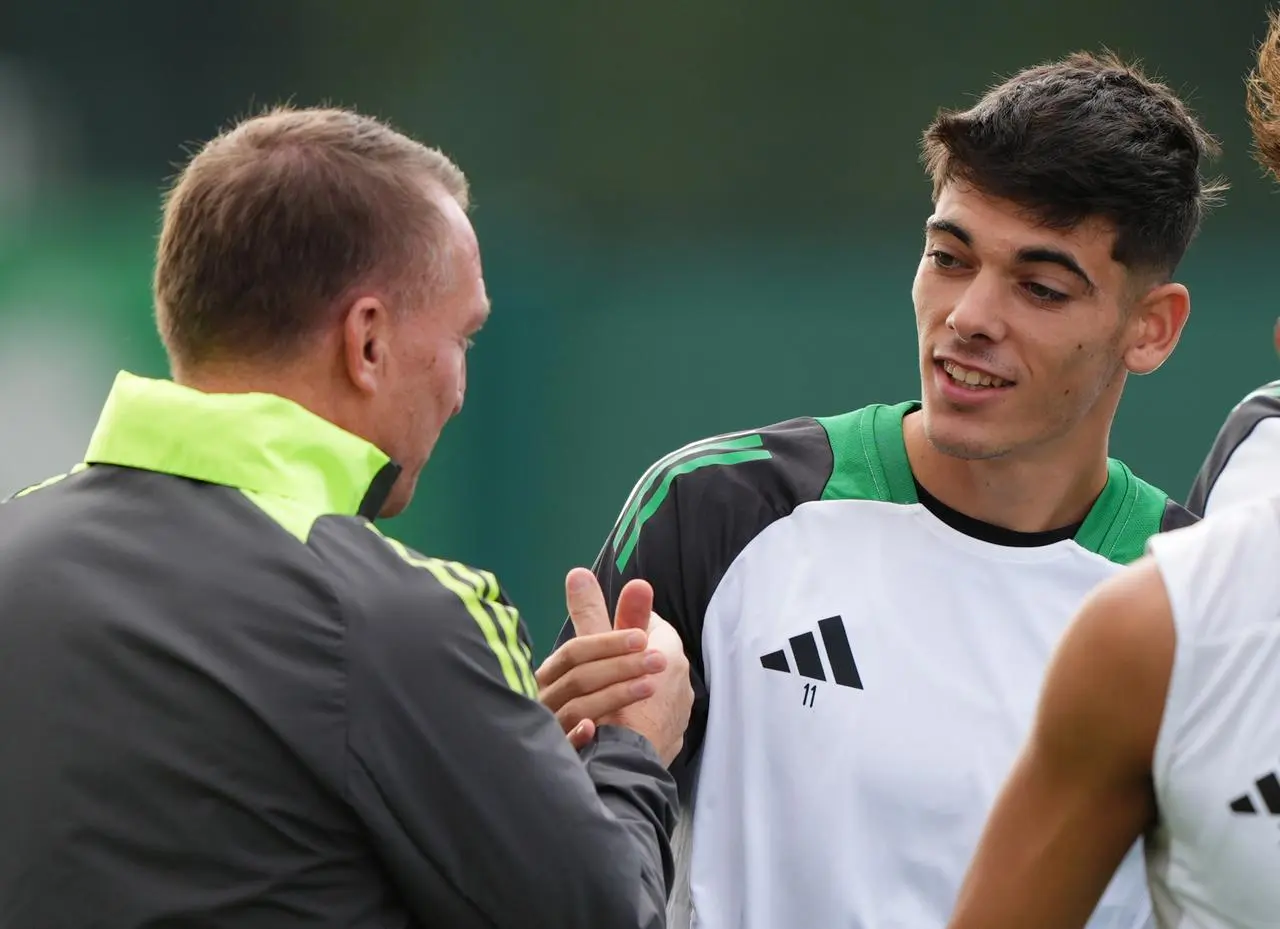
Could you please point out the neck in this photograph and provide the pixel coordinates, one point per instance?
(1038, 491)
(307, 388)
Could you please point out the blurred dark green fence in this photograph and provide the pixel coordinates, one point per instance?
(696, 217)
(597, 362)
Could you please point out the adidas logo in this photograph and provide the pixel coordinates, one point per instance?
(1268, 791)
(804, 648)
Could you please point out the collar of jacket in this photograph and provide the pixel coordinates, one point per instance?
(253, 441)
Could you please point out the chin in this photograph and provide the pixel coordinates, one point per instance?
(967, 440)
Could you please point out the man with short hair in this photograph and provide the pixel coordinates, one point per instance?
(226, 699)
(869, 600)
(1158, 719)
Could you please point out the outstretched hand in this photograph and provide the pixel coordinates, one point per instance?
(606, 666)
(606, 674)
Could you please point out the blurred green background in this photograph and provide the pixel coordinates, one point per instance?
(696, 217)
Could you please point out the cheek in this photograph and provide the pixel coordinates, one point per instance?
(1078, 375)
(459, 371)
(933, 299)
(449, 376)
(920, 294)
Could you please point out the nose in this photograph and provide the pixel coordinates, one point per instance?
(978, 312)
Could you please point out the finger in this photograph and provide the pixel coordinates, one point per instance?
(597, 675)
(582, 734)
(578, 652)
(603, 704)
(635, 603)
(587, 609)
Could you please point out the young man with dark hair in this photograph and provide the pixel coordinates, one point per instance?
(1158, 719)
(869, 600)
(226, 699)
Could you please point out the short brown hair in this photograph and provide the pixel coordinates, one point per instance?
(1088, 136)
(1261, 101)
(276, 218)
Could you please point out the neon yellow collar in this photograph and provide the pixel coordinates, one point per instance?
(256, 442)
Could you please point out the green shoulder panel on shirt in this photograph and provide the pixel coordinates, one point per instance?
(870, 463)
(1128, 513)
(869, 455)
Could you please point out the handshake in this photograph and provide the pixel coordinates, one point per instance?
(632, 672)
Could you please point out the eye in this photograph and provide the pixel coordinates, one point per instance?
(1044, 294)
(944, 261)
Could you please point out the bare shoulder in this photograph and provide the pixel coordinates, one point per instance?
(1110, 675)
(1128, 616)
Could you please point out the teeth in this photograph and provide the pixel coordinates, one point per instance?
(970, 378)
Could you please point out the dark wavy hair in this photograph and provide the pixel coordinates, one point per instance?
(1088, 136)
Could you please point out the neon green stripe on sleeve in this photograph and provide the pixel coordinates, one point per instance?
(508, 621)
(49, 482)
(470, 595)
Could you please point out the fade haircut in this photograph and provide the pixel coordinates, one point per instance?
(1088, 136)
(274, 220)
(1261, 101)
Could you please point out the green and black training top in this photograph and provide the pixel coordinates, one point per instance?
(227, 700)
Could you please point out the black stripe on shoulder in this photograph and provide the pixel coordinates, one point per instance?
(801, 464)
(732, 506)
(1263, 403)
(689, 518)
(1176, 516)
(379, 490)
(757, 476)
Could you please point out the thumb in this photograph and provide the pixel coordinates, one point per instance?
(635, 603)
(587, 610)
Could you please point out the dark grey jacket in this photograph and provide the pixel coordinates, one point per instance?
(226, 700)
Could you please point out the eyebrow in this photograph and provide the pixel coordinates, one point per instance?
(1033, 255)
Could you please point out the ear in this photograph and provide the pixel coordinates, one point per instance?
(1155, 325)
(1275, 335)
(366, 327)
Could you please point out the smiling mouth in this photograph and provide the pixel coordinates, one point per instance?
(973, 380)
